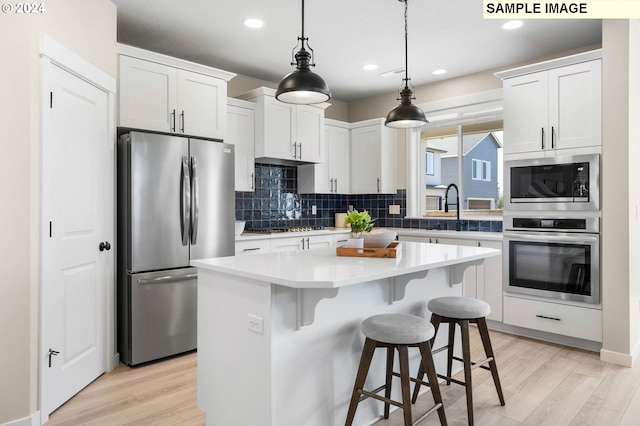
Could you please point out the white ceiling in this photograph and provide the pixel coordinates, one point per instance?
(345, 35)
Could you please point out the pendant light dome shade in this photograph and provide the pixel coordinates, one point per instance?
(406, 115)
(303, 86)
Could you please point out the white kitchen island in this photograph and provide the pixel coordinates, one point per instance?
(279, 338)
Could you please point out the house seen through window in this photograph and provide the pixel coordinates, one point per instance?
(469, 156)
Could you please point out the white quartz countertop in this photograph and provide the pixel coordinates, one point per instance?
(322, 268)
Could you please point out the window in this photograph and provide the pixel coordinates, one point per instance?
(430, 170)
(476, 169)
(481, 170)
(486, 171)
(469, 156)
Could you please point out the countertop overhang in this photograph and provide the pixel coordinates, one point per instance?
(322, 268)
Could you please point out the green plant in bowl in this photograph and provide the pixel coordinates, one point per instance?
(360, 222)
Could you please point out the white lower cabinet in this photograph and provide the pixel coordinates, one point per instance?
(301, 243)
(482, 282)
(253, 246)
(567, 320)
(340, 240)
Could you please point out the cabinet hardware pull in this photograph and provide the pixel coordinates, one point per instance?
(251, 249)
(336, 182)
(378, 184)
(542, 138)
(300, 149)
(549, 318)
(295, 150)
(182, 119)
(173, 120)
(553, 144)
(253, 182)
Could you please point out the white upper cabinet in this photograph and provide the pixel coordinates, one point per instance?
(373, 158)
(166, 94)
(241, 133)
(287, 131)
(202, 102)
(332, 175)
(553, 109)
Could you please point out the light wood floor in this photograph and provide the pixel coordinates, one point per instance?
(543, 383)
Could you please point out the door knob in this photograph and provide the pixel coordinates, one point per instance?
(104, 246)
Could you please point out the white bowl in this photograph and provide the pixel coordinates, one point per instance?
(239, 226)
(379, 238)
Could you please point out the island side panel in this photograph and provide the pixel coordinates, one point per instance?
(313, 369)
(234, 371)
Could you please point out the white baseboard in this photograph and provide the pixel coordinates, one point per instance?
(618, 358)
(32, 420)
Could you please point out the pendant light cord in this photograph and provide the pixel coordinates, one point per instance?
(303, 22)
(406, 44)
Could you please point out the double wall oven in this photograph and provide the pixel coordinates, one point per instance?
(552, 228)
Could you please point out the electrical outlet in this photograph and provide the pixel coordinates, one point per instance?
(394, 209)
(314, 210)
(255, 324)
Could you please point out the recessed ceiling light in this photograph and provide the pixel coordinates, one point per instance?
(439, 72)
(253, 23)
(370, 67)
(512, 25)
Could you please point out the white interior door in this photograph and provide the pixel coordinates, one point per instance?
(76, 163)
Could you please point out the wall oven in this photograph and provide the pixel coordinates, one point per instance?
(564, 183)
(553, 257)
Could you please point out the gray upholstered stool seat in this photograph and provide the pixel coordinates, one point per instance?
(462, 311)
(396, 332)
(459, 307)
(398, 329)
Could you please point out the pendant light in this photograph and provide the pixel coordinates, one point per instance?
(303, 86)
(406, 114)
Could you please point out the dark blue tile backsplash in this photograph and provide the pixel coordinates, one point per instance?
(275, 203)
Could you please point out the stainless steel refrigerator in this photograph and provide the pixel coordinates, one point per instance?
(175, 203)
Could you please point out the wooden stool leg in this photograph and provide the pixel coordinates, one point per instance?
(488, 350)
(466, 357)
(387, 389)
(361, 376)
(435, 320)
(428, 365)
(403, 357)
(452, 337)
(416, 388)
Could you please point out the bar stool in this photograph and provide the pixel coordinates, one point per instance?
(462, 311)
(396, 332)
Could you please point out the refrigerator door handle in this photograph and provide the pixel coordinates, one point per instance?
(185, 201)
(195, 205)
(167, 279)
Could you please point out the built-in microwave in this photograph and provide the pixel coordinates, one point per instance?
(553, 183)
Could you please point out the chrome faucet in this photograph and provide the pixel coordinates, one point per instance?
(446, 203)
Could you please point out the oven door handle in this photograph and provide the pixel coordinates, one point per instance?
(552, 237)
